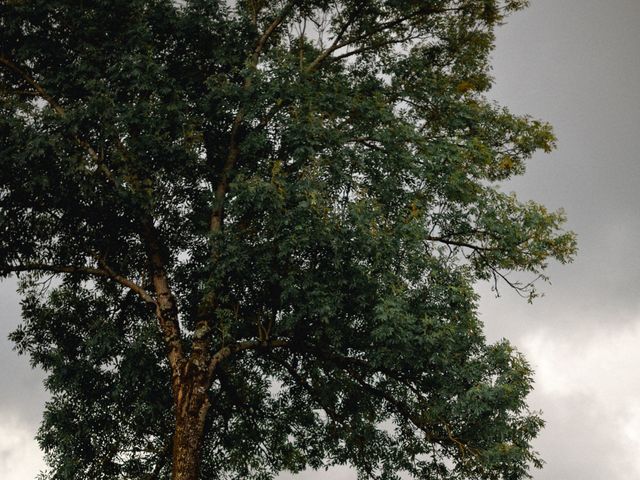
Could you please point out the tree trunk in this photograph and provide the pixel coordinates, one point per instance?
(192, 405)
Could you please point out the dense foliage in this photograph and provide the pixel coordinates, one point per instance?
(292, 199)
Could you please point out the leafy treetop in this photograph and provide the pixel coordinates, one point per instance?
(267, 219)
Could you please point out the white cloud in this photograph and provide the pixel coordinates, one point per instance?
(20, 457)
(588, 385)
(595, 362)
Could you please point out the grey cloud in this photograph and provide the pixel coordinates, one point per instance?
(575, 63)
(573, 440)
(22, 396)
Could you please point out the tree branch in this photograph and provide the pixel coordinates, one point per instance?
(341, 42)
(228, 350)
(166, 305)
(264, 38)
(104, 272)
(42, 93)
(202, 340)
(216, 220)
(311, 391)
(337, 42)
(31, 81)
(459, 243)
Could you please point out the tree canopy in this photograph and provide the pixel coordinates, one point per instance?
(266, 220)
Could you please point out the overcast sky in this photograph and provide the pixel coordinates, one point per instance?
(575, 63)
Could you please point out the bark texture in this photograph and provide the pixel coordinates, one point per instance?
(191, 411)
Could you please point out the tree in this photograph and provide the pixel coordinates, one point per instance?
(265, 221)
